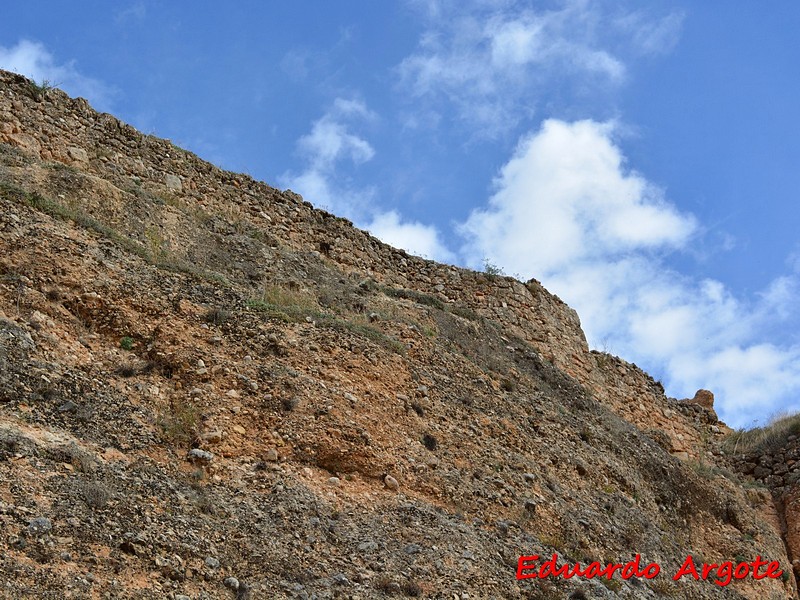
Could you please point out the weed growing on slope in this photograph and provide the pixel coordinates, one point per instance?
(772, 436)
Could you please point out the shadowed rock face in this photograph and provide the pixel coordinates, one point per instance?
(208, 388)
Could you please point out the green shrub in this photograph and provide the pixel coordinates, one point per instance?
(180, 423)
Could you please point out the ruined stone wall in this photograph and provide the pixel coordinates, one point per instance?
(777, 467)
(54, 127)
(67, 130)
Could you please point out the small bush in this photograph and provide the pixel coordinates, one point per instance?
(663, 587)
(126, 370)
(508, 385)
(289, 403)
(613, 584)
(386, 585)
(430, 442)
(53, 295)
(492, 269)
(179, 425)
(465, 313)
(126, 343)
(411, 589)
(38, 90)
(216, 316)
(95, 494)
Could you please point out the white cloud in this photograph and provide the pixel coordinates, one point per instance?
(328, 147)
(568, 211)
(136, 12)
(493, 60)
(32, 59)
(330, 143)
(414, 237)
(653, 36)
(564, 197)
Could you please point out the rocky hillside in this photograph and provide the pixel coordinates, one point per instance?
(210, 389)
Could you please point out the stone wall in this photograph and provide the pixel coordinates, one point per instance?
(51, 126)
(777, 467)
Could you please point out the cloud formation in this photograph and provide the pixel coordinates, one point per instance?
(414, 237)
(493, 59)
(565, 197)
(330, 143)
(327, 150)
(32, 59)
(568, 211)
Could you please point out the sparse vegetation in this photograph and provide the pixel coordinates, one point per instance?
(289, 403)
(180, 422)
(216, 316)
(126, 343)
(286, 303)
(430, 442)
(663, 587)
(385, 584)
(95, 494)
(415, 296)
(126, 370)
(465, 313)
(614, 585)
(769, 437)
(156, 254)
(411, 589)
(491, 269)
(38, 90)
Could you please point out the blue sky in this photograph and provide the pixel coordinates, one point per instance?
(641, 159)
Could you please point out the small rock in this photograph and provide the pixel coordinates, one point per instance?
(68, 406)
(239, 429)
(40, 526)
(212, 563)
(271, 455)
(368, 546)
(412, 549)
(200, 455)
(334, 481)
(78, 154)
(391, 483)
(212, 437)
(173, 182)
(231, 582)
